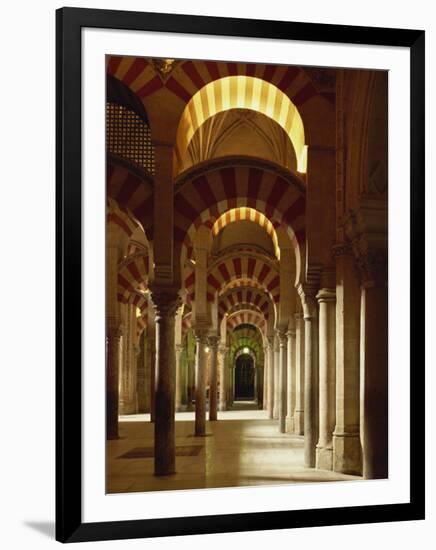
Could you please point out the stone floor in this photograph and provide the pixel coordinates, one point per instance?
(242, 448)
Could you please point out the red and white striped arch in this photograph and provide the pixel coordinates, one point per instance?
(248, 268)
(121, 217)
(205, 198)
(141, 303)
(244, 213)
(243, 295)
(133, 277)
(139, 74)
(132, 191)
(247, 317)
(247, 314)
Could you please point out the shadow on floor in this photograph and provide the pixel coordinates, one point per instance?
(47, 528)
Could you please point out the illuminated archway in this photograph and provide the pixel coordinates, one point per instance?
(244, 213)
(241, 92)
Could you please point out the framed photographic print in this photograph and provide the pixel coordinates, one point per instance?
(240, 232)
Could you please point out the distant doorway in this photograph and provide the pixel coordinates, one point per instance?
(244, 378)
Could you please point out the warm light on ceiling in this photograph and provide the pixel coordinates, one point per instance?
(241, 92)
(246, 350)
(206, 349)
(245, 213)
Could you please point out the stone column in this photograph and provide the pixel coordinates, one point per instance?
(299, 375)
(367, 229)
(222, 350)
(291, 381)
(311, 415)
(270, 377)
(213, 388)
(374, 354)
(191, 384)
(200, 382)
(327, 377)
(283, 344)
(128, 366)
(347, 454)
(113, 341)
(265, 378)
(141, 387)
(153, 380)
(276, 406)
(165, 303)
(179, 349)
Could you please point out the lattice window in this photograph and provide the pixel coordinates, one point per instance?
(128, 136)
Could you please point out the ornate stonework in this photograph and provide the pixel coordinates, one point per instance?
(164, 67)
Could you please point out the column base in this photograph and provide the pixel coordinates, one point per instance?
(347, 453)
(127, 407)
(161, 474)
(299, 422)
(324, 457)
(290, 424)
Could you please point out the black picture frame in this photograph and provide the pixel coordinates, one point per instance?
(69, 525)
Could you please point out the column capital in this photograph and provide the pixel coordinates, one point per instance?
(200, 334)
(342, 249)
(282, 337)
(223, 349)
(114, 330)
(165, 301)
(179, 348)
(213, 341)
(298, 316)
(326, 295)
(270, 340)
(308, 293)
(291, 333)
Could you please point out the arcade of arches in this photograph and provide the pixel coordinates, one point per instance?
(246, 267)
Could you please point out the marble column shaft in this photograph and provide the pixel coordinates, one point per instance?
(374, 376)
(283, 345)
(223, 351)
(299, 375)
(271, 377)
(178, 353)
(276, 406)
(213, 387)
(327, 377)
(165, 303)
(347, 452)
(291, 381)
(113, 342)
(265, 378)
(311, 418)
(200, 382)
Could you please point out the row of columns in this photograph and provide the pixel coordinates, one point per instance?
(338, 336)
(332, 375)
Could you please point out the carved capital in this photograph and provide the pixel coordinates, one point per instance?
(326, 295)
(213, 342)
(308, 300)
(291, 333)
(165, 301)
(114, 331)
(367, 230)
(342, 249)
(200, 334)
(223, 350)
(283, 339)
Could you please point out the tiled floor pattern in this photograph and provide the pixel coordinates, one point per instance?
(243, 448)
